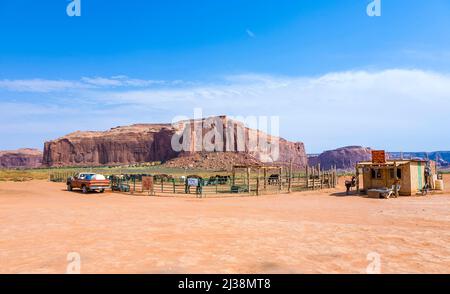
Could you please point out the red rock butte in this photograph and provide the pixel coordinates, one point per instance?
(140, 143)
(21, 158)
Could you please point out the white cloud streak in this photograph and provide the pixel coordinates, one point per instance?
(40, 85)
(250, 33)
(396, 109)
(47, 86)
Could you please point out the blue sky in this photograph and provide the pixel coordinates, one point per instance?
(332, 74)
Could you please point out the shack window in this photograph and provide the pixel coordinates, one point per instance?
(376, 173)
(392, 173)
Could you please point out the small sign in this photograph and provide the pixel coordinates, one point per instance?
(147, 183)
(378, 156)
(192, 182)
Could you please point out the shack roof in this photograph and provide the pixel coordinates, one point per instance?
(391, 162)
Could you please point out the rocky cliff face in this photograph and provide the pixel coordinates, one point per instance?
(21, 158)
(155, 142)
(121, 145)
(342, 158)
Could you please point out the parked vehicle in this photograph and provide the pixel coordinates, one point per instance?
(88, 182)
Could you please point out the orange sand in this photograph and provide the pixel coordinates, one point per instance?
(313, 232)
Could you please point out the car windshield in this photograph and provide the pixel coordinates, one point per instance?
(90, 176)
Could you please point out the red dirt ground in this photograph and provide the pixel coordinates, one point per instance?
(311, 232)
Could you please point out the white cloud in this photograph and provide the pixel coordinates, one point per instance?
(381, 90)
(395, 109)
(47, 86)
(250, 33)
(120, 81)
(102, 82)
(40, 85)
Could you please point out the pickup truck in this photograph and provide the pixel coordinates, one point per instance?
(88, 182)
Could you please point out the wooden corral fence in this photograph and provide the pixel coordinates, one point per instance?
(242, 181)
(60, 176)
(273, 180)
(250, 182)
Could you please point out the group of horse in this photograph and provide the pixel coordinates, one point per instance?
(273, 179)
(212, 180)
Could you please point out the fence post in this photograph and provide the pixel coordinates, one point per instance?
(280, 179)
(290, 177)
(234, 177)
(265, 176)
(248, 180)
(329, 179)
(307, 177)
(320, 176)
(257, 183)
(313, 172)
(334, 177)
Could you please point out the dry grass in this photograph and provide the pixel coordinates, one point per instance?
(23, 175)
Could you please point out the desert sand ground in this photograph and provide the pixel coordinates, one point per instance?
(310, 232)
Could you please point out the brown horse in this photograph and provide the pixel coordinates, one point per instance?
(350, 184)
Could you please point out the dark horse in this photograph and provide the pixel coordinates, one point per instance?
(219, 180)
(274, 179)
(350, 184)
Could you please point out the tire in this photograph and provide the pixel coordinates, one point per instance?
(102, 190)
(84, 189)
(69, 187)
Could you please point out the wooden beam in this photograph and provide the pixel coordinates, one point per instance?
(257, 184)
(248, 180)
(357, 180)
(307, 177)
(314, 178)
(290, 177)
(320, 176)
(280, 177)
(396, 192)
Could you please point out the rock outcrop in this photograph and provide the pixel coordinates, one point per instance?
(212, 160)
(163, 142)
(21, 158)
(120, 145)
(342, 158)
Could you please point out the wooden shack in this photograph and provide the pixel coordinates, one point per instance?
(410, 174)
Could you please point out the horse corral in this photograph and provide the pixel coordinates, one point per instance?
(243, 180)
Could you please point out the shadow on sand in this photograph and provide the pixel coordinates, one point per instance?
(81, 192)
(344, 194)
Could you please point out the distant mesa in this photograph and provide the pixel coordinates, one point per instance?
(342, 158)
(345, 158)
(141, 143)
(21, 158)
(442, 158)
